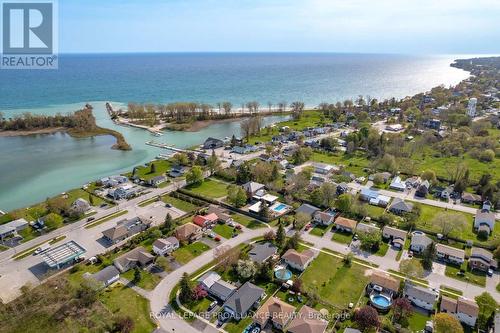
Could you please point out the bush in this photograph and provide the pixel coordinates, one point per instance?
(487, 156)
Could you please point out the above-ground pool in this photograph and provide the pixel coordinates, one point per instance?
(380, 301)
(283, 274)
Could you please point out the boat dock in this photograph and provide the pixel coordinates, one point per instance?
(170, 147)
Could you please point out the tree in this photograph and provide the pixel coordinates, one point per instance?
(367, 318)
(496, 253)
(91, 199)
(270, 236)
(429, 175)
(137, 275)
(487, 307)
(328, 193)
(348, 259)
(123, 325)
(411, 268)
(185, 289)
(297, 285)
(180, 159)
(301, 219)
(446, 323)
(162, 262)
(236, 195)
(280, 236)
(213, 163)
(449, 222)
(195, 175)
(226, 257)
(344, 202)
(401, 308)
(428, 256)
(293, 242)
(152, 168)
(169, 224)
(53, 221)
(370, 241)
(246, 269)
(264, 210)
(265, 271)
(198, 292)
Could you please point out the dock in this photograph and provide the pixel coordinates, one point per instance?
(170, 147)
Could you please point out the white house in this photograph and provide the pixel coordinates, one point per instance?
(298, 261)
(422, 297)
(163, 246)
(419, 242)
(397, 184)
(450, 254)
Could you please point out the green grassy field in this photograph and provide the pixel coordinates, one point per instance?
(180, 204)
(144, 171)
(339, 284)
(475, 277)
(353, 163)
(148, 280)
(210, 188)
(186, 253)
(247, 221)
(319, 230)
(224, 230)
(342, 237)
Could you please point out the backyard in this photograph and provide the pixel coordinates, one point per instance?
(210, 188)
(148, 280)
(144, 171)
(339, 285)
(224, 230)
(247, 221)
(179, 203)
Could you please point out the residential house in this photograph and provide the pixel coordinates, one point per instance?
(307, 209)
(298, 260)
(446, 192)
(125, 229)
(105, 276)
(450, 254)
(222, 214)
(374, 197)
(124, 191)
(470, 198)
(323, 169)
(308, 320)
(399, 206)
(276, 312)
(213, 143)
(177, 171)
(207, 280)
(385, 176)
(243, 300)
(205, 221)
(484, 220)
(419, 242)
(345, 225)
(422, 297)
(12, 227)
(261, 252)
(252, 187)
(397, 184)
(397, 237)
(246, 149)
(342, 188)
(80, 205)
(164, 246)
(423, 189)
(261, 195)
(367, 228)
(323, 218)
(188, 232)
(465, 310)
(383, 282)
(482, 259)
(112, 181)
(222, 290)
(138, 257)
(157, 181)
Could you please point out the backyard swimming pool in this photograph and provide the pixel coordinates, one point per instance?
(379, 301)
(283, 274)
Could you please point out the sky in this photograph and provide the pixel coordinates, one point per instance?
(361, 26)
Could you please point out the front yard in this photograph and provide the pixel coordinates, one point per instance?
(475, 277)
(247, 221)
(148, 280)
(186, 253)
(342, 237)
(179, 204)
(224, 230)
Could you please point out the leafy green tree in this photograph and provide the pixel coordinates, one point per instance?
(429, 175)
(446, 323)
(487, 307)
(152, 168)
(137, 275)
(264, 210)
(246, 269)
(280, 236)
(370, 241)
(293, 242)
(91, 199)
(236, 195)
(53, 221)
(195, 175)
(344, 202)
(428, 256)
(185, 290)
(213, 163)
(169, 224)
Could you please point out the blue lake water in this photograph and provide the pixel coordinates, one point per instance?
(34, 167)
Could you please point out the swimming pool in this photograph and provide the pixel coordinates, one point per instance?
(283, 274)
(279, 207)
(380, 301)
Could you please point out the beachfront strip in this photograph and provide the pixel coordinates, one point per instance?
(254, 222)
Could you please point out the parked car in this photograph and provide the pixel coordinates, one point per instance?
(168, 205)
(212, 305)
(90, 219)
(490, 272)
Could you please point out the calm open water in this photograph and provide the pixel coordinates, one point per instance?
(34, 167)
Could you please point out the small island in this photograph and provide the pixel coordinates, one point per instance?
(79, 124)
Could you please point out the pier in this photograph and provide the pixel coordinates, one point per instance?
(171, 148)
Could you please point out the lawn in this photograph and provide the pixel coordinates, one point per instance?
(199, 306)
(238, 327)
(179, 203)
(186, 253)
(342, 237)
(224, 230)
(123, 301)
(451, 292)
(339, 284)
(382, 250)
(319, 230)
(354, 163)
(148, 280)
(72, 195)
(247, 221)
(144, 172)
(417, 320)
(475, 277)
(210, 188)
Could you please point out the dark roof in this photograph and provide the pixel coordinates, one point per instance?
(222, 288)
(247, 294)
(401, 205)
(106, 274)
(425, 294)
(307, 209)
(261, 252)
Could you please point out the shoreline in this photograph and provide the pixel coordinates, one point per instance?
(51, 130)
